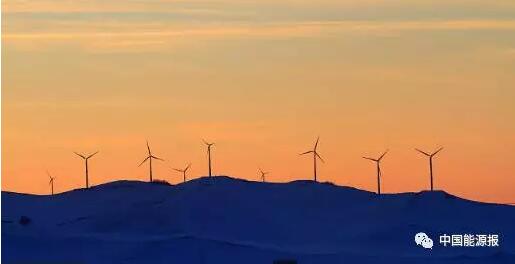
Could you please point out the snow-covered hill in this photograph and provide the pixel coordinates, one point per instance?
(226, 220)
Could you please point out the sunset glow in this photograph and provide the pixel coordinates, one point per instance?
(262, 80)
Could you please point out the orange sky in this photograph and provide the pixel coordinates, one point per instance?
(262, 80)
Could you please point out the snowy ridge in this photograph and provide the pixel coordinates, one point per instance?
(239, 221)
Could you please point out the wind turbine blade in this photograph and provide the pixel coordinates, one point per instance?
(92, 155)
(316, 143)
(370, 159)
(144, 161)
(154, 157)
(188, 167)
(316, 153)
(382, 156)
(178, 170)
(79, 155)
(148, 148)
(425, 153)
(436, 152)
(307, 152)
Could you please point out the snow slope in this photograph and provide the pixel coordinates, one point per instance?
(226, 220)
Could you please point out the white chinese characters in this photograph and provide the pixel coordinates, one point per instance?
(469, 240)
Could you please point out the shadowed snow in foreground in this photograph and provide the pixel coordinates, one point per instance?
(226, 220)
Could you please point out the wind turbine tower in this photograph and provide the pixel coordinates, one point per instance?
(430, 156)
(183, 171)
(86, 158)
(209, 145)
(315, 157)
(263, 174)
(379, 173)
(51, 182)
(150, 157)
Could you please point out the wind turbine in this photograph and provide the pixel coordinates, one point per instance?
(379, 173)
(184, 171)
(51, 181)
(263, 174)
(86, 158)
(209, 145)
(149, 158)
(315, 156)
(430, 155)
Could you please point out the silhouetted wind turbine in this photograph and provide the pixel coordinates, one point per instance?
(209, 145)
(86, 158)
(149, 158)
(51, 182)
(379, 173)
(430, 155)
(263, 174)
(184, 171)
(315, 156)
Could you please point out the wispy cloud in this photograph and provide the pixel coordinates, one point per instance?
(60, 6)
(262, 29)
(163, 5)
(156, 25)
(125, 36)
